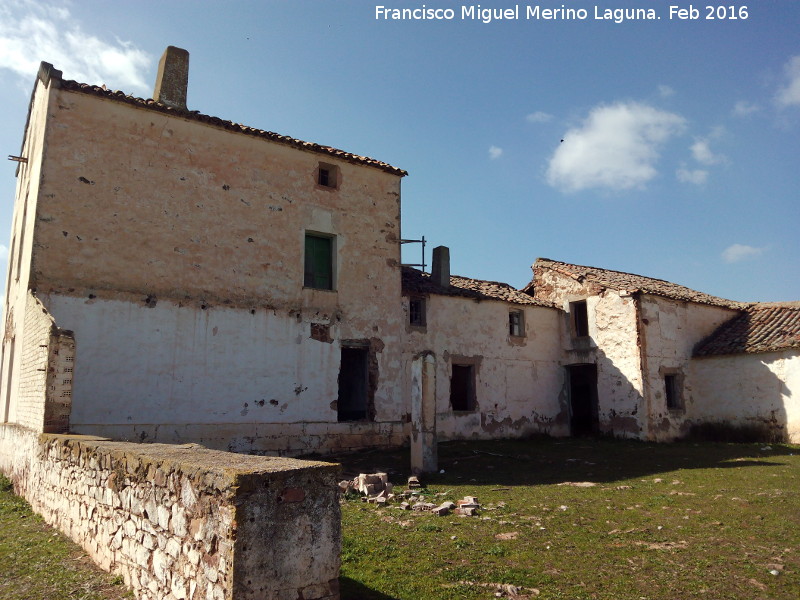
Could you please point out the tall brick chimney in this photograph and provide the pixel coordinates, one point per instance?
(440, 267)
(173, 78)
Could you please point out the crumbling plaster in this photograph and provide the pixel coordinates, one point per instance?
(612, 345)
(671, 329)
(514, 379)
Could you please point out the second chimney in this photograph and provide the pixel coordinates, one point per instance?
(440, 267)
(173, 78)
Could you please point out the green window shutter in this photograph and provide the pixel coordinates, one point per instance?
(318, 262)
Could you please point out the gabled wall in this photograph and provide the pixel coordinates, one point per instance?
(612, 344)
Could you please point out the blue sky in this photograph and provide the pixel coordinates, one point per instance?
(681, 137)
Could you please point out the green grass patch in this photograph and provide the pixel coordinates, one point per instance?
(37, 562)
(647, 521)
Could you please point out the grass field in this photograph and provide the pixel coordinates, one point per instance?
(561, 519)
(583, 519)
(38, 563)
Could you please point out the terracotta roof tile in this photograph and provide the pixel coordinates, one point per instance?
(194, 115)
(764, 327)
(417, 282)
(619, 280)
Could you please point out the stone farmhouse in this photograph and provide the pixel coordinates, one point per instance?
(175, 277)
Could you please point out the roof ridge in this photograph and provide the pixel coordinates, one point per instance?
(785, 305)
(623, 280)
(611, 271)
(196, 115)
(417, 281)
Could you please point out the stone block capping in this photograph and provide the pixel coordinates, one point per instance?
(185, 522)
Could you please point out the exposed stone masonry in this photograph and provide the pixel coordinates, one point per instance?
(185, 522)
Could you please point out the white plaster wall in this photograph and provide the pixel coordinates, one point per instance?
(746, 389)
(672, 329)
(612, 345)
(518, 381)
(223, 377)
(613, 328)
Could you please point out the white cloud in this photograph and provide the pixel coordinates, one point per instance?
(789, 95)
(3, 252)
(738, 252)
(701, 151)
(539, 117)
(743, 108)
(695, 176)
(495, 152)
(31, 32)
(616, 147)
(665, 91)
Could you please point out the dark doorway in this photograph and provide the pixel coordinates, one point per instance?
(584, 418)
(353, 384)
(462, 388)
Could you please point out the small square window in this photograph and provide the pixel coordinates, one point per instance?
(416, 311)
(580, 318)
(328, 176)
(319, 262)
(516, 323)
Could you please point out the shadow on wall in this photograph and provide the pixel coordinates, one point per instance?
(739, 398)
(730, 398)
(601, 399)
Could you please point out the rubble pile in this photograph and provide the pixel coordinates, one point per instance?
(376, 489)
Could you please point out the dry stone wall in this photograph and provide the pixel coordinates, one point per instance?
(185, 522)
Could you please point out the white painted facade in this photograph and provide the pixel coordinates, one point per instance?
(671, 331)
(517, 379)
(640, 343)
(611, 345)
(747, 389)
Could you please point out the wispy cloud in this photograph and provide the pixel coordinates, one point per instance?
(739, 252)
(3, 252)
(539, 117)
(705, 156)
(31, 32)
(495, 152)
(789, 93)
(743, 108)
(616, 147)
(702, 153)
(665, 91)
(695, 176)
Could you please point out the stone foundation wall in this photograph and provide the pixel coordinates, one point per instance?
(185, 522)
(276, 439)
